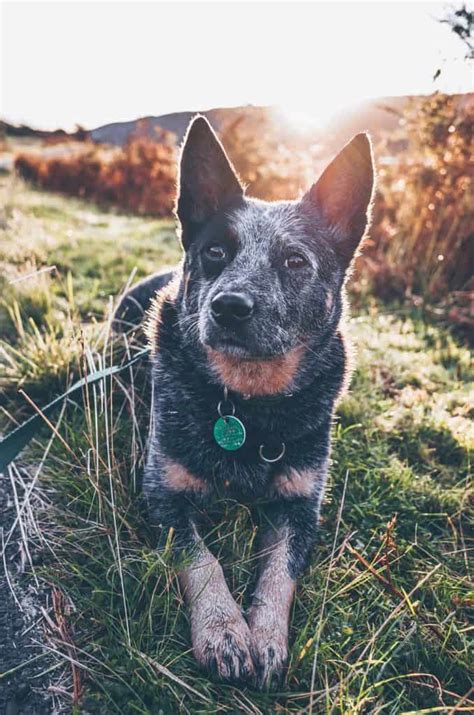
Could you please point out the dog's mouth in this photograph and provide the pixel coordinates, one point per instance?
(236, 348)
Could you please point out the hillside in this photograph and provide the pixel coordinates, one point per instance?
(378, 116)
(374, 115)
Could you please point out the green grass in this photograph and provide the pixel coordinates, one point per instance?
(381, 619)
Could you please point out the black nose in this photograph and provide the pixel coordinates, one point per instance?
(231, 309)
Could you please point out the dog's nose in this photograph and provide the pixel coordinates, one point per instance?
(231, 309)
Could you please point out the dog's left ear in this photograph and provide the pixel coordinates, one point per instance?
(343, 193)
(207, 180)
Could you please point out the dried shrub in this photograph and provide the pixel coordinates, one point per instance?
(272, 166)
(140, 177)
(423, 226)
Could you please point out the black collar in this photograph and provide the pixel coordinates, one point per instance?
(259, 400)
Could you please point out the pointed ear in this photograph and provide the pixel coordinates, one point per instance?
(207, 179)
(343, 194)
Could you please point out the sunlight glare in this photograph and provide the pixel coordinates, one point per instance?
(304, 120)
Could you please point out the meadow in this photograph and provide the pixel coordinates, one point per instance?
(381, 619)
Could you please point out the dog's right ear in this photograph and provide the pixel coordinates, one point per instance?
(343, 194)
(207, 179)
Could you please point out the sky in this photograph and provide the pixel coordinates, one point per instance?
(92, 63)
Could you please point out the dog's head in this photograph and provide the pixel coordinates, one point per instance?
(264, 280)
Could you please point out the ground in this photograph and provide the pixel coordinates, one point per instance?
(381, 619)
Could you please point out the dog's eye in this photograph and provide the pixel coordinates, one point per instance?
(295, 260)
(215, 252)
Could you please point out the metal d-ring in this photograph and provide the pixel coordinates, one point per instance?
(221, 402)
(275, 459)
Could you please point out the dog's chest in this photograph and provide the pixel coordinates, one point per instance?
(274, 436)
(234, 464)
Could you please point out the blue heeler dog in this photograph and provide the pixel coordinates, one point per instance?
(248, 361)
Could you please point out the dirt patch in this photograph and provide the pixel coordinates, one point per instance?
(25, 684)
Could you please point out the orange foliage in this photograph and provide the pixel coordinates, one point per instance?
(423, 231)
(140, 177)
(272, 166)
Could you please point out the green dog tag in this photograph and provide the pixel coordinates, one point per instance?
(229, 433)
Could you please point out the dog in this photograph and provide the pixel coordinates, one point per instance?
(248, 360)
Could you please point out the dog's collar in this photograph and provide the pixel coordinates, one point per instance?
(230, 432)
(260, 399)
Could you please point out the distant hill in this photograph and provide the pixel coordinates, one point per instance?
(24, 131)
(374, 116)
(177, 122)
(377, 116)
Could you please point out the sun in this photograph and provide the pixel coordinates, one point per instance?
(313, 117)
(297, 121)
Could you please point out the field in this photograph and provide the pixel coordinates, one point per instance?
(381, 619)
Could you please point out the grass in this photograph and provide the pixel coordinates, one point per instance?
(381, 619)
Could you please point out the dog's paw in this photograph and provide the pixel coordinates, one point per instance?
(270, 656)
(223, 649)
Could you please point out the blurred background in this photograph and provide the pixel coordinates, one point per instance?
(96, 98)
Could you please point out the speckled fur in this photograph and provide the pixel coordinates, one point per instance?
(221, 636)
(269, 613)
(298, 311)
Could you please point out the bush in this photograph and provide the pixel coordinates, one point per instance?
(274, 167)
(140, 177)
(423, 221)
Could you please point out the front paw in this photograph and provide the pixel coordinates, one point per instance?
(270, 655)
(223, 648)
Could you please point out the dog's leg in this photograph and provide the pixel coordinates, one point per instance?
(284, 551)
(219, 632)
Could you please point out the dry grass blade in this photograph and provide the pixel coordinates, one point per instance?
(320, 623)
(163, 670)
